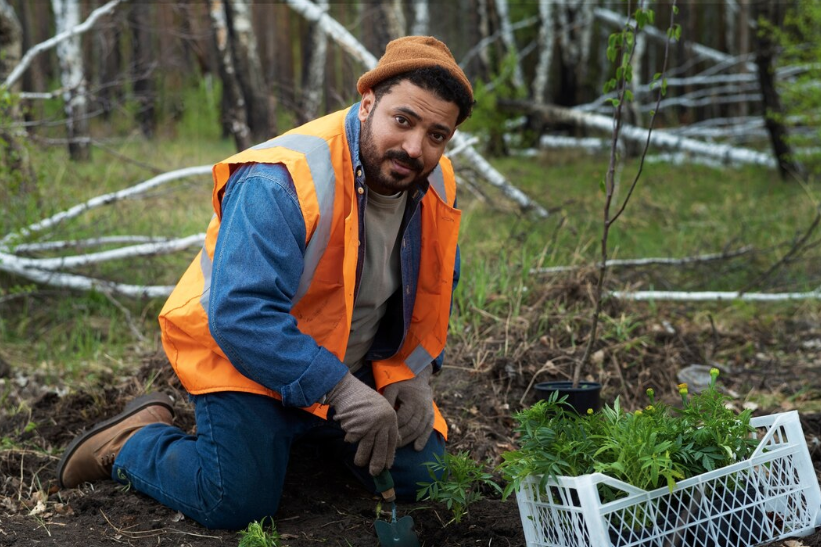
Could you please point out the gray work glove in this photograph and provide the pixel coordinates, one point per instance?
(367, 418)
(413, 401)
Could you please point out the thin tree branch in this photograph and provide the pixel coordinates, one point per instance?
(53, 41)
(659, 261)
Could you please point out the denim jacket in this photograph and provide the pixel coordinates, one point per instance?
(258, 261)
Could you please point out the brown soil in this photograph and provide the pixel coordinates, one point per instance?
(479, 390)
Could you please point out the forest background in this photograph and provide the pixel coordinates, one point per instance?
(108, 137)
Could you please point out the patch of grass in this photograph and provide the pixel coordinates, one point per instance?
(65, 335)
(258, 535)
(677, 211)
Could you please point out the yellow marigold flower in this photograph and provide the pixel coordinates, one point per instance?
(638, 412)
(682, 388)
(714, 372)
(590, 411)
(649, 408)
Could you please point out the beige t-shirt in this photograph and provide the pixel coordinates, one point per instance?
(381, 274)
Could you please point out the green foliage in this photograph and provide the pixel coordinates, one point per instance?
(200, 107)
(487, 120)
(257, 535)
(648, 448)
(457, 481)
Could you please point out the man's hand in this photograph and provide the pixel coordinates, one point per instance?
(413, 400)
(367, 418)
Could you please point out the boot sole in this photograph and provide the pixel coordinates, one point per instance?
(138, 404)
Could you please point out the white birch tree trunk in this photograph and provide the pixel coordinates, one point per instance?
(315, 81)
(570, 49)
(586, 37)
(421, 18)
(395, 17)
(635, 84)
(66, 17)
(235, 116)
(484, 31)
(258, 101)
(510, 41)
(540, 81)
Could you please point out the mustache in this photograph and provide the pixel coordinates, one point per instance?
(402, 156)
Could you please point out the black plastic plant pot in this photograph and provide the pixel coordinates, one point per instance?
(587, 395)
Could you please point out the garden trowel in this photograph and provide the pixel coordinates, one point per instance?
(396, 533)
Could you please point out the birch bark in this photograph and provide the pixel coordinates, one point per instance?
(635, 84)
(540, 81)
(234, 114)
(315, 75)
(659, 139)
(421, 18)
(249, 73)
(509, 39)
(67, 17)
(395, 17)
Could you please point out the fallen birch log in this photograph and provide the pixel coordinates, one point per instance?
(143, 249)
(714, 296)
(658, 261)
(658, 139)
(105, 199)
(47, 270)
(10, 264)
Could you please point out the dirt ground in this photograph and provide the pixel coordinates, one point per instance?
(479, 389)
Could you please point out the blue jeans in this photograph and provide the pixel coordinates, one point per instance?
(232, 471)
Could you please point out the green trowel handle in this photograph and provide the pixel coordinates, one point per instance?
(384, 485)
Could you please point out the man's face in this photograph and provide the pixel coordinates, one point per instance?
(403, 136)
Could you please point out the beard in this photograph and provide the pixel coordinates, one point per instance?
(372, 161)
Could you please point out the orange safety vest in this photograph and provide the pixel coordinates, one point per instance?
(319, 161)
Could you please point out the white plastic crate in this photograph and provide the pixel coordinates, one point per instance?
(772, 495)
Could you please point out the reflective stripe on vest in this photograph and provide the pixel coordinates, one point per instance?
(318, 155)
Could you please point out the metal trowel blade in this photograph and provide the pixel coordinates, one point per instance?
(399, 533)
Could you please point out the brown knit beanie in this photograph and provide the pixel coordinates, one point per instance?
(409, 53)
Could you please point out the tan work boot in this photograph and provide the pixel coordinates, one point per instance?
(90, 456)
